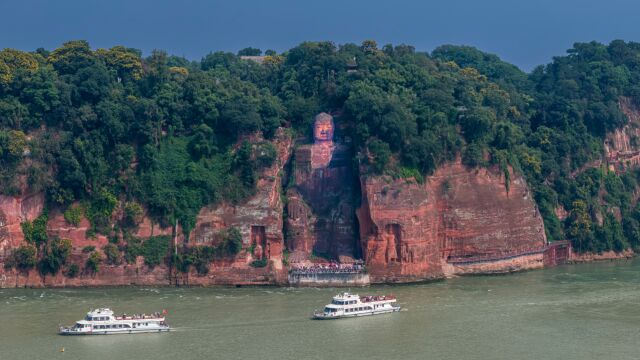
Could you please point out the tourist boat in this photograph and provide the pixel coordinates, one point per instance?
(352, 305)
(103, 322)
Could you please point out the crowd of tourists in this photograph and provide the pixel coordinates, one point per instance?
(327, 268)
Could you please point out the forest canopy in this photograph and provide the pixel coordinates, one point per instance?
(162, 133)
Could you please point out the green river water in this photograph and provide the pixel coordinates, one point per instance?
(589, 311)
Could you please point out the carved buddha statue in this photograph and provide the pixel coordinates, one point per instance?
(323, 128)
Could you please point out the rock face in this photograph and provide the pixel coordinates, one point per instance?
(622, 146)
(412, 231)
(14, 211)
(320, 209)
(459, 221)
(259, 220)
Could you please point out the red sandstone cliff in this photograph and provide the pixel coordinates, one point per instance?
(259, 220)
(622, 146)
(14, 211)
(412, 231)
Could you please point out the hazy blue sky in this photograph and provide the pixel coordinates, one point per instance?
(526, 33)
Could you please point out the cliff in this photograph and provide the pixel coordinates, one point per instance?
(457, 219)
(13, 211)
(622, 146)
(259, 220)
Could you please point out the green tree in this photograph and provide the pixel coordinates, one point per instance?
(92, 264)
(24, 258)
(249, 51)
(54, 256)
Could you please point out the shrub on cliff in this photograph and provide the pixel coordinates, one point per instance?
(73, 215)
(155, 250)
(133, 214)
(54, 255)
(132, 249)
(92, 265)
(72, 271)
(259, 263)
(114, 257)
(266, 154)
(199, 257)
(35, 232)
(100, 209)
(23, 258)
(231, 242)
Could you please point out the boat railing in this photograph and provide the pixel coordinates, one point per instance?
(366, 299)
(140, 317)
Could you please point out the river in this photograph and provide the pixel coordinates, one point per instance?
(588, 311)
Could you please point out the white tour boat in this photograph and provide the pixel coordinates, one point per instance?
(352, 305)
(103, 322)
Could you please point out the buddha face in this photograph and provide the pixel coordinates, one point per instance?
(323, 128)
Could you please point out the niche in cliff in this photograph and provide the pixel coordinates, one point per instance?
(321, 193)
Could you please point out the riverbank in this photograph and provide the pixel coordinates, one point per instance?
(261, 278)
(604, 256)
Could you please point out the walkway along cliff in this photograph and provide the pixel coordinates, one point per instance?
(314, 204)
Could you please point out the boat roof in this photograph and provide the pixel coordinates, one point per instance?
(346, 296)
(100, 312)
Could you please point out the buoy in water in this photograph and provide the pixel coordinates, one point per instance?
(61, 349)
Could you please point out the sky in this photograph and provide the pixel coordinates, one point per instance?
(526, 33)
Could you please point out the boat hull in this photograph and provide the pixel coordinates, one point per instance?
(322, 316)
(113, 332)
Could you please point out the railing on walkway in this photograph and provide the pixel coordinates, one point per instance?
(318, 270)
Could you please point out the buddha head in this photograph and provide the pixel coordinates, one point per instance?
(323, 128)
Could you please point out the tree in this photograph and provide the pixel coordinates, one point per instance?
(580, 226)
(35, 232)
(24, 258)
(12, 61)
(126, 62)
(249, 51)
(379, 155)
(232, 241)
(54, 256)
(72, 56)
(93, 263)
(113, 255)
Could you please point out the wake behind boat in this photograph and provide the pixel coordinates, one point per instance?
(352, 305)
(103, 322)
